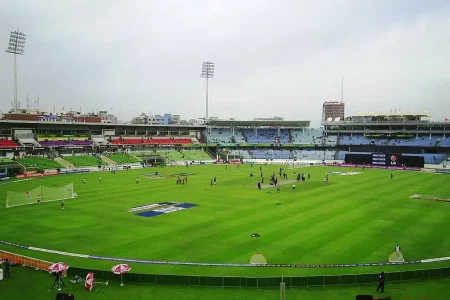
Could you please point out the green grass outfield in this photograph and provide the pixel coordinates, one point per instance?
(29, 284)
(355, 219)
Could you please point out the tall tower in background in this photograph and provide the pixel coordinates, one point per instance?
(334, 110)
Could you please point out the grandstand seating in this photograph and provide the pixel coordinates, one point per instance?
(240, 153)
(58, 143)
(61, 138)
(151, 141)
(219, 135)
(425, 141)
(239, 136)
(313, 154)
(28, 142)
(6, 160)
(8, 144)
(354, 140)
(196, 155)
(331, 140)
(266, 136)
(173, 155)
(84, 161)
(99, 140)
(361, 140)
(307, 136)
(39, 163)
(444, 143)
(123, 158)
(187, 155)
(270, 154)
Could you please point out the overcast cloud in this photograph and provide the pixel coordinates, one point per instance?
(272, 57)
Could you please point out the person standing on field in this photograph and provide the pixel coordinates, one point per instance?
(7, 271)
(381, 280)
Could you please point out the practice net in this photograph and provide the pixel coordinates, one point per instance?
(299, 165)
(46, 194)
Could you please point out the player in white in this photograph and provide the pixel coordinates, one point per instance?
(397, 251)
(99, 178)
(137, 180)
(84, 181)
(293, 187)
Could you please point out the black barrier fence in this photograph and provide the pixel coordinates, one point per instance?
(263, 282)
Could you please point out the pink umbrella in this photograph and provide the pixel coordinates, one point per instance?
(58, 267)
(89, 282)
(121, 269)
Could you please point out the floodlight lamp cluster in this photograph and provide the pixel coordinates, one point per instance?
(208, 69)
(16, 43)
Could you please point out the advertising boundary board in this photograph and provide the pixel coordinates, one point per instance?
(46, 173)
(373, 167)
(440, 171)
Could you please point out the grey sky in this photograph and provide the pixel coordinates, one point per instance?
(272, 57)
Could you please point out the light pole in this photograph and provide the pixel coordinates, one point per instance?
(16, 46)
(207, 72)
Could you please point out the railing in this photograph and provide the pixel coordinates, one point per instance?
(266, 282)
(238, 281)
(26, 261)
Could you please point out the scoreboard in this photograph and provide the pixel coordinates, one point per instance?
(379, 159)
(387, 159)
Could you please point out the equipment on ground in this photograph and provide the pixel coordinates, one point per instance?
(397, 257)
(258, 259)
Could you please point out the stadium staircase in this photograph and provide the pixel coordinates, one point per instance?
(64, 163)
(28, 142)
(444, 158)
(185, 155)
(210, 153)
(107, 160)
(134, 156)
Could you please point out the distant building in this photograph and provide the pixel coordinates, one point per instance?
(176, 119)
(275, 118)
(165, 119)
(333, 110)
(141, 119)
(107, 118)
(199, 121)
(43, 116)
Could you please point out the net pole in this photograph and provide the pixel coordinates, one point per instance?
(282, 290)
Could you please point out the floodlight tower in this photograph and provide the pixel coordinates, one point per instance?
(16, 46)
(207, 72)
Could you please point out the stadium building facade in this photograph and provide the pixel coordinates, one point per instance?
(409, 139)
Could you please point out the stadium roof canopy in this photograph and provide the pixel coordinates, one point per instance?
(418, 115)
(267, 123)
